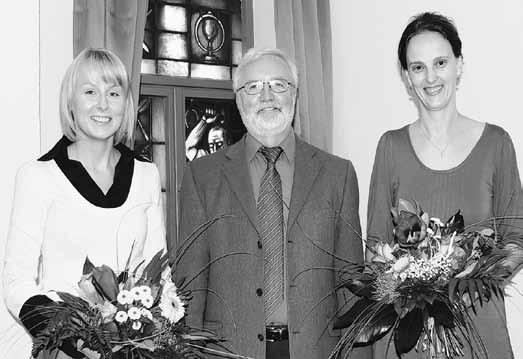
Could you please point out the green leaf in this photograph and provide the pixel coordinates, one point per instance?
(497, 286)
(456, 223)
(407, 333)
(199, 336)
(441, 313)
(153, 271)
(399, 308)
(406, 205)
(353, 313)
(124, 274)
(145, 344)
(479, 290)
(471, 289)
(395, 214)
(468, 270)
(371, 321)
(429, 297)
(452, 288)
(104, 280)
(380, 324)
(362, 288)
(88, 266)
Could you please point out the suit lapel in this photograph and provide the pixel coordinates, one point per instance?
(236, 171)
(306, 169)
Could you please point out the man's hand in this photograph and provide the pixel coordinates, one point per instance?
(210, 115)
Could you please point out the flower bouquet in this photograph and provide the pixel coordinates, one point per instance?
(135, 314)
(425, 286)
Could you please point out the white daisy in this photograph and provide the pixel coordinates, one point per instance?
(124, 297)
(134, 313)
(145, 290)
(137, 325)
(136, 293)
(147, 301)
(146, 313)
(121, 316)
(170, 304)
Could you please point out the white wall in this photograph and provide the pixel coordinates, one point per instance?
(20, 118)
(369, 97)
(37, 42)
(56, 53)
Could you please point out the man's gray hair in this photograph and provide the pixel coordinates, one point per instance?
(254, 54)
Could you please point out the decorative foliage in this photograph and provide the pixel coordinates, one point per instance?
(424, 287)
(136, 314)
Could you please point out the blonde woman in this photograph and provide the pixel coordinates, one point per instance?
(88, 196)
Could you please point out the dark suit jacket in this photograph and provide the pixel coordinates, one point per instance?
(323, 220)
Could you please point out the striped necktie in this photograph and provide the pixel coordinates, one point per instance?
(270, 217)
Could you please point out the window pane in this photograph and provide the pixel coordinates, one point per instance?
(236, 26)
(215, 4)
(210, 124)
(210, 42)
(149, 20)
(172, 46)
(172, 18)
(236, 52)
(148, 66)
(210, 71)
(159, 160)
(173, 68)
(143, 128)
(148, 45)
(182, 33)
(158, 114)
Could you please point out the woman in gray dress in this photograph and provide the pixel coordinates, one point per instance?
(444, 160)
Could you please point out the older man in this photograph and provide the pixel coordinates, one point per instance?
(289, 207)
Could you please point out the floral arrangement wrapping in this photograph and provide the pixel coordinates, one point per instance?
(425, 287)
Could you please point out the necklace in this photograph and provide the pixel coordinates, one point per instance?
(440, 149)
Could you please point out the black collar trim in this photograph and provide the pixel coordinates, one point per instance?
(85, 185)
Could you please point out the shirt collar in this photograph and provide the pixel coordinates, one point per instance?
(252, 145)
(85, 185)
(59, 152)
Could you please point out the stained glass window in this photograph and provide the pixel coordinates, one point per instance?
(149, 138)
(192, 38)
(210, 124)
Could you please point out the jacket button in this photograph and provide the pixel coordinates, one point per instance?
(260, 244)
(260, 337)
(259, 292)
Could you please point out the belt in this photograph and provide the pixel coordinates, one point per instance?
(276, 333)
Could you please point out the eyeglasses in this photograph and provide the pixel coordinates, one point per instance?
(276, 86)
